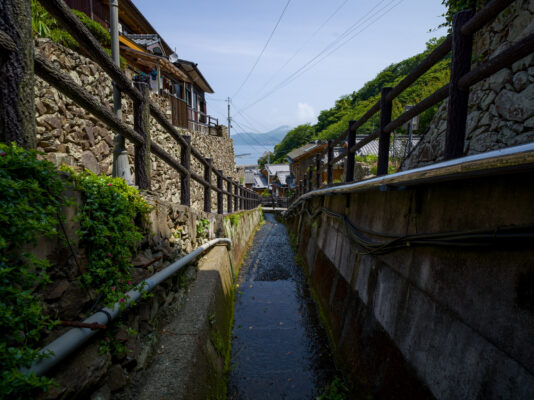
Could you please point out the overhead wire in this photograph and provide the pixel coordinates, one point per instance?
(316, 59)
(263, 50)
(310, 37)
(307, 66)
(250, 136)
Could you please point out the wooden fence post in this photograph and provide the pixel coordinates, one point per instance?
(310, 178)
(207, 188)
(462, 48)
(229, 196)
(220, 197)
(384, 139)
(349, 165)
(318, 172)
(17, 97)
(236, 198)
(329, 167)
(141, 125)
(185, 181)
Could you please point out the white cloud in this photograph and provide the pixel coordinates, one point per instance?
(305, 113)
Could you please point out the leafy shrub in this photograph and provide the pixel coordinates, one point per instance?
(336, 390)
(108, 232)
(203, 227)
(29, 207)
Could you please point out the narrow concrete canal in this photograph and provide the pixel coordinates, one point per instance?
(279, 348)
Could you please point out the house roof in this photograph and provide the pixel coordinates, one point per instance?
(194, 73)
(260, 181)
(372, 147)
(130, 15)
(302, 150)
(144, 39)
(282, 176)
(274, 168)
(250, 176)
(151, 60)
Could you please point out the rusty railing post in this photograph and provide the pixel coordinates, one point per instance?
(229, 196)
(462, 48)
(17, 97)
(384, 139)
(207, 188)
(185, 179)
(349, 165)
(220, 198)
(319, 176)
(141, 125)
(329, 167)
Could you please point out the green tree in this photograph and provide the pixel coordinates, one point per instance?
(265, 158)
(295, 138)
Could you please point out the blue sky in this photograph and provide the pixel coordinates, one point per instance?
(226, 37)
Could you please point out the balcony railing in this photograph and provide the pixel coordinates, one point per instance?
(186, 117)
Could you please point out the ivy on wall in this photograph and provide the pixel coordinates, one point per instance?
(108, 232)
(30, 205)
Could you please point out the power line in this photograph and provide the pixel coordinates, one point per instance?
(303, 69)
(251, 136)
(263, 50)
(304, 45)
(306, 67)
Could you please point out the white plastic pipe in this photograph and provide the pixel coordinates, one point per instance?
(74, 338)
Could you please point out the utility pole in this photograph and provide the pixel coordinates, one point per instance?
(229, 117)
(268, 174)
(121, 167)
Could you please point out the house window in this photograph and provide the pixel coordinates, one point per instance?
(178, 90)
(188, 95)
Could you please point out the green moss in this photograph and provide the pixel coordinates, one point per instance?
(46, 26)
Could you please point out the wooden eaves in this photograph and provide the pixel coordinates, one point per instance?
(152, 60)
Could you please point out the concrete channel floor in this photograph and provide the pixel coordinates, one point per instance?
(279, 348)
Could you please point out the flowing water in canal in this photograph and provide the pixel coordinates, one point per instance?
(279, 348)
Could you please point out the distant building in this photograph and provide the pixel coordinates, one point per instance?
(280, 179)
(275, 178)
(305, 157)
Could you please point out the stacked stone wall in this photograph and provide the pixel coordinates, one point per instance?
(171, 232)
(501, 107)
(69, 134)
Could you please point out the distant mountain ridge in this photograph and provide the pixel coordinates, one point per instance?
(270, 138)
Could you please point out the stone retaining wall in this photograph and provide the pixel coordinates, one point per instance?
(67, 133)
(501, 108)
(172, 233)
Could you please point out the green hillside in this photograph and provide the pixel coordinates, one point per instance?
(334, 121)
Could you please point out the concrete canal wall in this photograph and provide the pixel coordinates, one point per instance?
(426, 319)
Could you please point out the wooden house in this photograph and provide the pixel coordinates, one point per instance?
(304, 157)
(148, 54)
